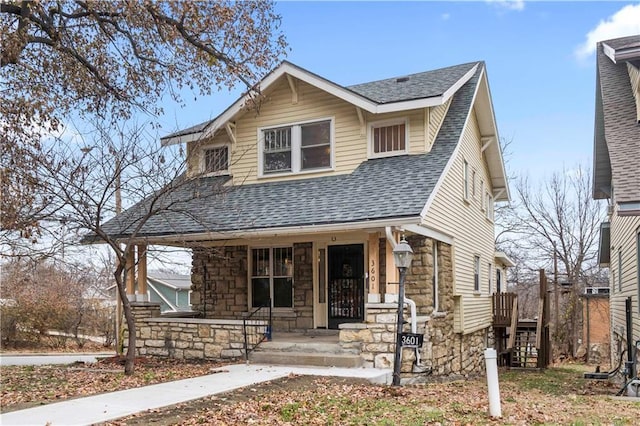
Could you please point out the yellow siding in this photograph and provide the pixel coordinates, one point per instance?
(624, 241)
(473, 233)
(350, 142)
(634, 76)
(436, 117)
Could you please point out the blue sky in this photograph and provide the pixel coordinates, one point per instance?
(543, 91)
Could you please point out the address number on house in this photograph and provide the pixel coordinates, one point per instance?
(411, 340)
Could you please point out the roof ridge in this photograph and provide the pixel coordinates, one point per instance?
(416, 73)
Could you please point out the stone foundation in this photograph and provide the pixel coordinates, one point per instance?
(444, 352)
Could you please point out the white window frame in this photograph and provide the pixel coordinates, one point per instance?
(490, 276)
(202, 161)
(271, 276)
(465, 180)
(490, 207)
(476, 274)
(473, 184)
(619, 269)
(387, 123)
(296, 148)
(483, 201)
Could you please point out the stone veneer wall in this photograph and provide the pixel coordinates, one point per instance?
(219, 282)
(445, 352)
(187, 338)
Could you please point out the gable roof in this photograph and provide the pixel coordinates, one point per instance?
(365, 198)
(430, 88)
(617, 131)
(429, 84)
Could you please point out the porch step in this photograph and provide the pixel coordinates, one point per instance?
(304, 347)
(319, 359)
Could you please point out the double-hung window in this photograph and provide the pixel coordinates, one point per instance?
(215, 159)
(489, 206)
(272, 277)
(465, 177)
(387, 138)
(476, 273)
(296, 148)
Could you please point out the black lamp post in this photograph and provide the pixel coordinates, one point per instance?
(402, 255)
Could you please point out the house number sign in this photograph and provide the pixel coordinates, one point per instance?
(411, 340)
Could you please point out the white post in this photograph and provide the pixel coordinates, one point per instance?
(491, 361)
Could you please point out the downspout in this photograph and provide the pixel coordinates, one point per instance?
(412, 306)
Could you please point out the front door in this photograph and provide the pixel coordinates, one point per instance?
(345, 284)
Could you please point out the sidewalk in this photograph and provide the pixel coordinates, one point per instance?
(111, 406)
(51, 358)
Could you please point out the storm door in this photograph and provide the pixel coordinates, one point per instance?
(345, 284)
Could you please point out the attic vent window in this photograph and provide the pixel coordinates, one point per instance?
(388, 138)
(215, 159)
(402, 79)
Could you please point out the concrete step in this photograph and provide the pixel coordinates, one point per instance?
(319, 359)
(305, 346)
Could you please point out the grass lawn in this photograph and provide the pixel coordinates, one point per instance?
(555, 396)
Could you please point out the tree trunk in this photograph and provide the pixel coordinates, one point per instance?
(130, 357)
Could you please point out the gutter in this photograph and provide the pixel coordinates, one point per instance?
(283, 231)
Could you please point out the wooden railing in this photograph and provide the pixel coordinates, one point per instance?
(503, 309)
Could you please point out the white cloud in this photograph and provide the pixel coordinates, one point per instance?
(517, 5)
(624, 22)
(445, 16)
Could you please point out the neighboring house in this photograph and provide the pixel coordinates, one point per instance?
(596, 324)
(301, 201)
(617, 179)
(172, 291)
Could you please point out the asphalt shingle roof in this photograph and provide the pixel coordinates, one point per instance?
(617, 130)
(392, 187)
(414, 86)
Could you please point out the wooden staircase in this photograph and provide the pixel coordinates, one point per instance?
(522, 343)
(524, 353)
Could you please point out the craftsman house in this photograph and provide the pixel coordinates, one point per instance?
(302, 200)
(616, 178)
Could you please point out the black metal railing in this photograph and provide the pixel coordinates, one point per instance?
(257, 328)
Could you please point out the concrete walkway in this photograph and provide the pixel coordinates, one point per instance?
(111, 406)
(51, 358)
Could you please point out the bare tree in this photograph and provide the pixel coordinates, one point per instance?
(558, 216)
(61, 59)
(80, 183)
